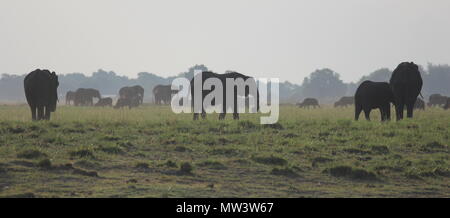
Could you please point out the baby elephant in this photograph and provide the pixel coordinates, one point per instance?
(371, 95)
(103, 102)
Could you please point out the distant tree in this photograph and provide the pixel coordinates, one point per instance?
(436, 80)
(11, 88)
(323, 84)
(190, 73)
(380, 75)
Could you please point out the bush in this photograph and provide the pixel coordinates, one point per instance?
(45, 163)
(82, 152)
(142, 165)
(283, 172)
(31, 154)
(348, 172)
(186, 168)
(271, 160)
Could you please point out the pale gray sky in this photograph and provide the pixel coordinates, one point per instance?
(263, 38)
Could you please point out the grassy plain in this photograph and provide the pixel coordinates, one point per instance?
(151, 152)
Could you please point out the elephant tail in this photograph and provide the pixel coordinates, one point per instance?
(420, 93)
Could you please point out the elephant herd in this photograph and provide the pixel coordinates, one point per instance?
(402, 91)
(130, 97)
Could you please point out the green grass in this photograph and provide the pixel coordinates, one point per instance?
(151, 152)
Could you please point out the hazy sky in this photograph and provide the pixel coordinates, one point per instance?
(276, 38)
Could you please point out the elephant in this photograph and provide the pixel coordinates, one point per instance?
(103, 102)
(163, 94)
(41, 92)
(309, 102)
(132, 92)
(345, 101)
(70, 97)
(84, 97)
(222, 78)
(436, 99)
(419, 105)
(447, 104)
(406, 84)
(372, 95)
(127, 102)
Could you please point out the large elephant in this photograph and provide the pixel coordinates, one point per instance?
(70, 97)
(309, 102)
(436, 100)
(85, 97)
(163, 94)
(135, 92)
(345, 101)
(222, 78)
(406, 84)
(41, 92)
(372, 95)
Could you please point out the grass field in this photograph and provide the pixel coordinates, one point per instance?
(151, 152)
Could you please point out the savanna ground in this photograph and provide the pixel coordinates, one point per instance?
(151, 152)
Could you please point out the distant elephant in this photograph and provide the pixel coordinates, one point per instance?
(41, 92)
(136, 92)
(447, 104)
(406, 84)
(419, 105)
(163, 94)
(436, 100)
(309, 102)
(140, 92)
(127, 102)
(70, 97)
(84, 97)
(345, 101)
(223, 78)
(103, 102)
(372, 95)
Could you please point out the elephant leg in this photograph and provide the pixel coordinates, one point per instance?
(358, 110)
(235, 109)
(33, 112)
(47, 113)
(195, 116)
(383, 114)
(222, 116)
(40, 114)
(399, 111)
(367, 114)
(388, 111)
(203, 114)
(409, 110)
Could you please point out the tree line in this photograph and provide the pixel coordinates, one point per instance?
(323, 84)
